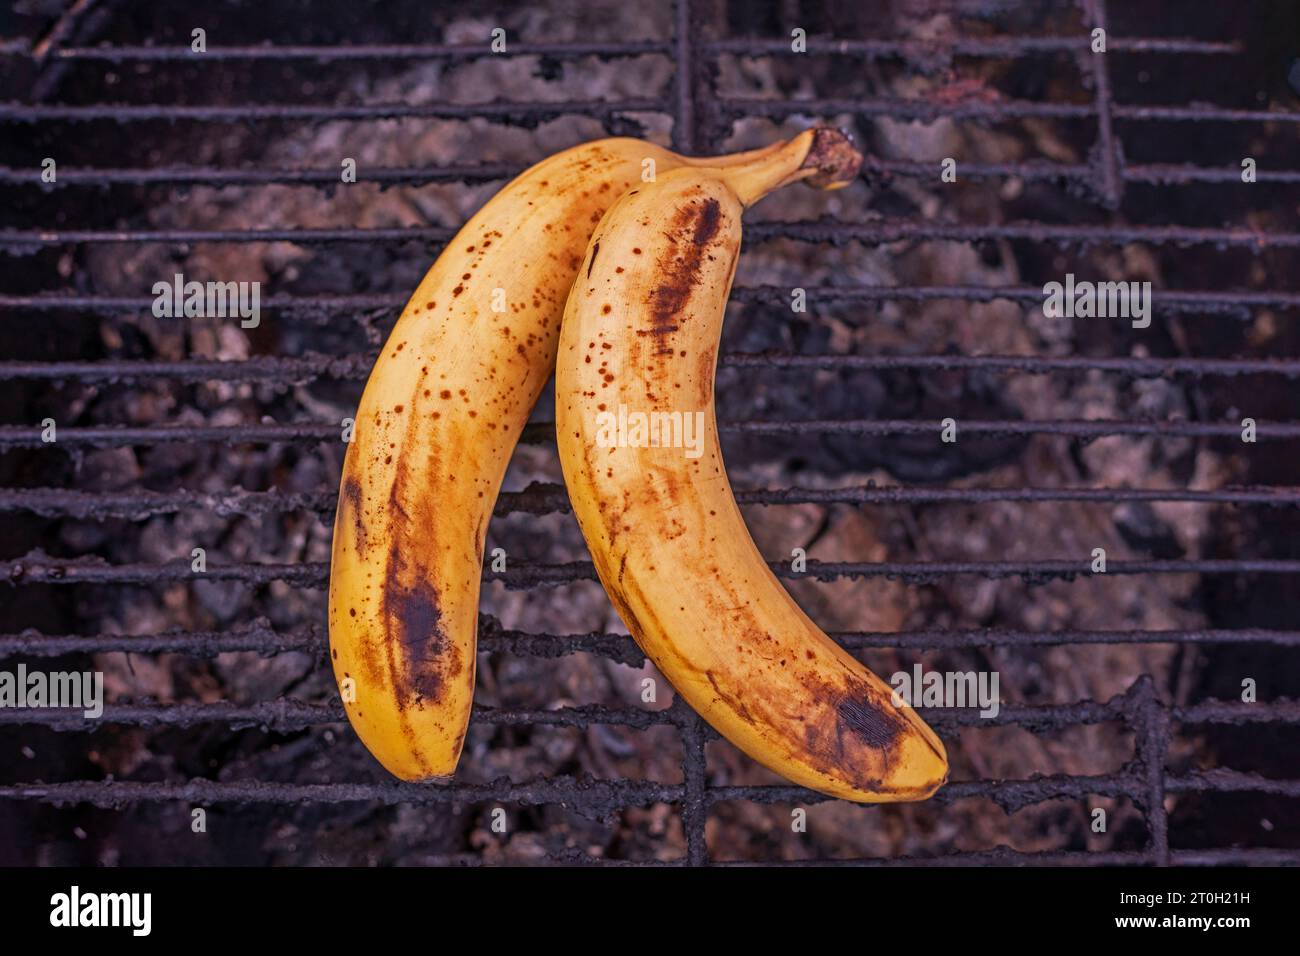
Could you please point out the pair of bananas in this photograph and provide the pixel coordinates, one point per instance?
(635, 322)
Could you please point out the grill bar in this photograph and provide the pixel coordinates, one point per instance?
(1004, 856)
(999, 47)
(293, 715)
(695, 786)
(1151, 735)
(303, 368)
(1168, 174)
(529, 113)
(58, 237)
(518, 113)
(835, 232)
(1017, 794)
(62, 30)
(1160, 174)
(39, 569)
(112, 794)
(1128, 365)
(595, 794)
(325, 53)
(832, 231)
(288, 715)
(685, 122)
(547, 498)
(219, 176)
(1235, 302)
(263, 638)
(111, 436)
(992, 47)
(983, 110)
(1110, 178)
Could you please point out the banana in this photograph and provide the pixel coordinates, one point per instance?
(638, 350)
(438, 420)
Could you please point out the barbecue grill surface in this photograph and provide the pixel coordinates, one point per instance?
(1121, 692)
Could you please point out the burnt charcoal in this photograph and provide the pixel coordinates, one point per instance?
(1143, 531)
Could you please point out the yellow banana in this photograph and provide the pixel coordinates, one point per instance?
(439, 418)
(638, 349)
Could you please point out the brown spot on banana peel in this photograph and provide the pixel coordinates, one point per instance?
(731, 700)
(369, 650)
(695, 226)
(413, 624)
(352, 512)
(852, 739)
(871, 724)
(861, 739)
(420, 659)
(706, 363)
(623, 591)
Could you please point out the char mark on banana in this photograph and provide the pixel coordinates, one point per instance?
(694, 227)
(731, 700)
(422, 657)
(853, 741)
(353, 512)
(871, 724)
(413, 625)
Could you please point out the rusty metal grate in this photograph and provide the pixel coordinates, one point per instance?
(697, 113)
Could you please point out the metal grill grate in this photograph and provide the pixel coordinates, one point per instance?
(698, 114)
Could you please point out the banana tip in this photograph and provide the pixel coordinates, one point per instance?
(835, 158)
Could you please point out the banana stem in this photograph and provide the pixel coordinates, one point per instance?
(823, 157)
(733, 159)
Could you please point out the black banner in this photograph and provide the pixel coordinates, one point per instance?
(333, 906)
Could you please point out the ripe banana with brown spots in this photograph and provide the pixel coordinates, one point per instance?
(636, 364)
(440, 415)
